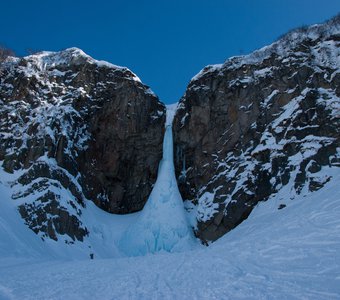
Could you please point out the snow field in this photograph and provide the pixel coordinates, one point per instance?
(292, 253)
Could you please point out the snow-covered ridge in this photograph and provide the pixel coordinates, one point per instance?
(48, 60)
(326, 55)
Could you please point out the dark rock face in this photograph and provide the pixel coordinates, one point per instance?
(73, 128)
(259, 125)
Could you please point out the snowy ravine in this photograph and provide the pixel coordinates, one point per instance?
(162, 225)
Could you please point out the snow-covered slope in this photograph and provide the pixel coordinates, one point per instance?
(325, 54)
(17, 240)
(293, 253)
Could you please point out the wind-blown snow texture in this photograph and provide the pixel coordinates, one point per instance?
(162, 225)
(293, 253)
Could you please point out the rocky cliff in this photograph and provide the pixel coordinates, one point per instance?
(260, 126)
(73, 128)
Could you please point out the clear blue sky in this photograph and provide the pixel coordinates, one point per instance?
(164, 42)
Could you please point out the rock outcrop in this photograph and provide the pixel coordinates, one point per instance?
(73, 128)
(257, 125)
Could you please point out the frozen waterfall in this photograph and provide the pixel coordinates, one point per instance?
(162, 225)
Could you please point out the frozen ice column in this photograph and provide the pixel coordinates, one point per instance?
(162, 224)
